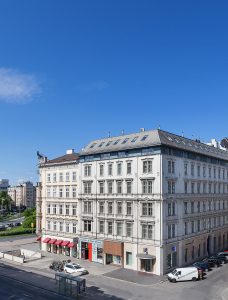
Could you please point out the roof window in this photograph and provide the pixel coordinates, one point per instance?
(124, 141)
(101, 144)
(134, 139)
(108, 143)
(144, 137)
(116, 142)
(94, 144)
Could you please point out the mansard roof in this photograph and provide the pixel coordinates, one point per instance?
(67, 158)
(151, 138)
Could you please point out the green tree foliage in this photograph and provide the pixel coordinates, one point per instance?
(5, 200)
(30, 217)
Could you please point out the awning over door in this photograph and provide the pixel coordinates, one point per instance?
(65, 243)
(145, 256)
(46, 240)
(52, 241)
(58, 242)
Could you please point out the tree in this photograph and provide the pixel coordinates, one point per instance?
(5, 200)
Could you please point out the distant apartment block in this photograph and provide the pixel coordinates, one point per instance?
(4, 184)
(23, 194)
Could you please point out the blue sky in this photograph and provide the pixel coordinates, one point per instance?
(71, 71)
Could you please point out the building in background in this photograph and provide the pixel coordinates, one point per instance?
(4, 184)
(149, 201)
(23, 194)
(57, 204)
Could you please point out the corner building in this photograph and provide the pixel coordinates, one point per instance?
(151, 201)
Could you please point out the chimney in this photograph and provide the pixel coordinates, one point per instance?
(70, 151)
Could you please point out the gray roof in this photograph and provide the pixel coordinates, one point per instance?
(151, 138)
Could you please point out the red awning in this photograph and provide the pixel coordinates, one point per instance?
(65, 243)
(46, 240)
(38, 238)
(52, 241)
(58, 242)
(71, 245)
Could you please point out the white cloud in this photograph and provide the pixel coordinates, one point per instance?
(17, 87)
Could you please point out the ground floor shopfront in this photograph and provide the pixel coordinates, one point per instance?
(90, 249)
(113, 252)
(59, 246)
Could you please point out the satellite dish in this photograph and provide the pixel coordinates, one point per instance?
(224, 143)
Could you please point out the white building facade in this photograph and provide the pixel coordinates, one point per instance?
(148, 201)
(23, 194)
(57, 200)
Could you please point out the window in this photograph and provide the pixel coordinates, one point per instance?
(54, 209)
(67, 176)
(87, 187)
(172, 260)
(101, 144)
(48, 192)
(48, 225)
(192, 187)
(198, 187)
(67, 192)
(74, 228)
(101, 170)
(60, 226)
(209, 172)
(101, 187)
(185, 228)
(171, 167)
(54, 177)
(192, 169)
(60, 209)
(198, 171)
(171, 187)
(110, 227)
(93, 145)
(171, 231)
(48, 177)
(74, 192)
(198, 225)
(147, 186)
(119, 208)
(74, 176)
(129, 258)
(198, 206)
(61, 177)
(129, 168)
(110, 187)
(186, 255)
(125, 140)
(67, 209)
(147, 166)
(101, 207)
(60, 192)
(74, 209)
(128, 229)
(186, 187)
(119, 168)
(134, 139)
(129, 208)
(67, 227)
(193, 228)
(129, 185)
(147, 209)
(116, 142)
(110, 207)
(119, 187)
(87, 207)
(109, 169)
(204, 171)
(48, 208)
(54, 192)
(185, 169)
(147, 231)
(101, 226)
(87, 226)
(144, 138)
(87, 170)
(193, 252)
(192, 207)
(119, 228)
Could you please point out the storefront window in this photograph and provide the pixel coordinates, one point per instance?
(129, 258)
(99, 253)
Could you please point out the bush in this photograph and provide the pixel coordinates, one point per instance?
(29, 212)
(16, 231)
(28, 221)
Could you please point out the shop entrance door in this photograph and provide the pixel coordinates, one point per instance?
(146, 265)
(90, 251)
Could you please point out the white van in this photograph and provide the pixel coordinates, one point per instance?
(184, 274)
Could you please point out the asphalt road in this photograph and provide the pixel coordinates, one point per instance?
(16, 220)
(14, 290)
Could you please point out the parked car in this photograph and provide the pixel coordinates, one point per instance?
(223, 254)
(74, 268)
(222, 257)
(212, 262)
(184, 274)
(17, 224)
(204, 266)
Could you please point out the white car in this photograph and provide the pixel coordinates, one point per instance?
(74, 268)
